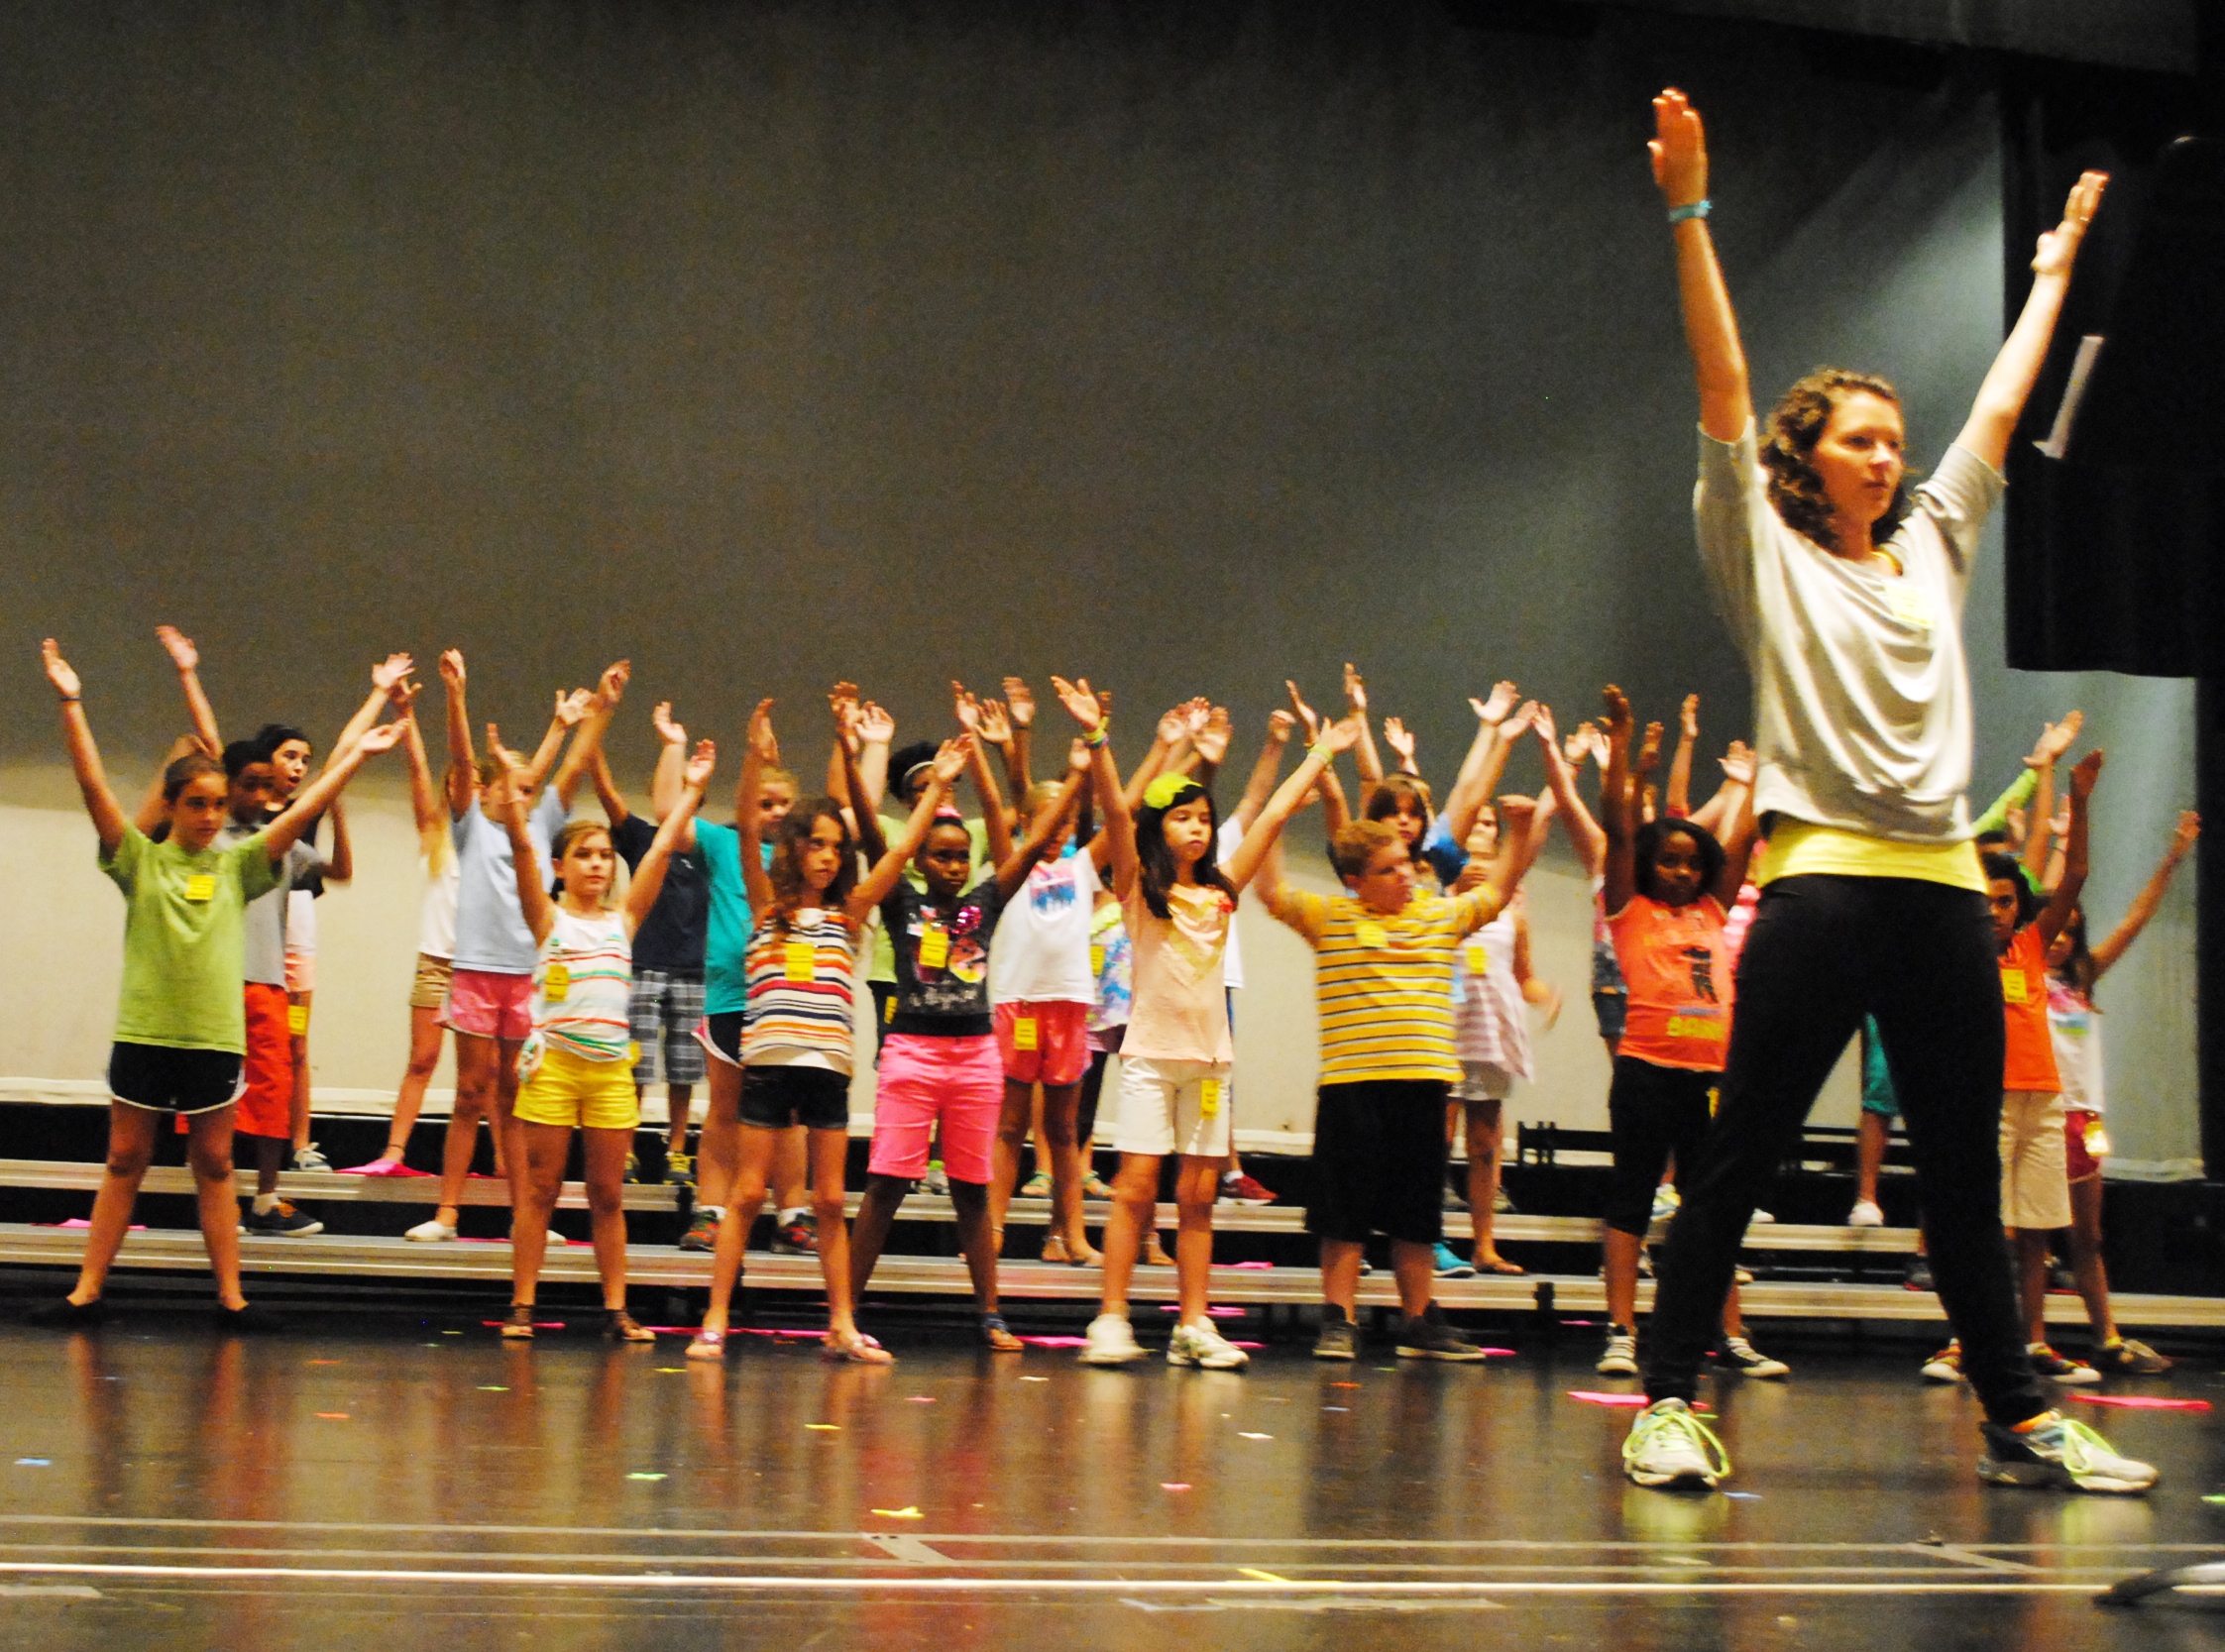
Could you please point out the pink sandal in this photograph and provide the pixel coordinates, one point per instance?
(708, 1345)
(857, 1349)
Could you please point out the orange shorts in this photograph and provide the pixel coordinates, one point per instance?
(1044, 1042)
(266, 1101)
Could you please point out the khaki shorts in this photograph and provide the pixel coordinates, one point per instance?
(2034, 1166)
(428, 990)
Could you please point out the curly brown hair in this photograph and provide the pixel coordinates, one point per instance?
(1796, 424)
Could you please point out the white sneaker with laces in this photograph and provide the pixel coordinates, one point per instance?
(1205, 1347)
(1621, 1355)
(2061, 1452)
(1111, 1342)
(432, 1232)
(1865, 1214)
(1669, 1446)
(310, 1158)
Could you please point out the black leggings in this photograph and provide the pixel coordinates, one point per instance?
(1822, 951)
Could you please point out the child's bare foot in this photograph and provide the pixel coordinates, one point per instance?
(708, 1345)
(1055, 1249)
(856, 1348)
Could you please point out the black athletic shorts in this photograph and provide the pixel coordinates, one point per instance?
(163, 1079)
(720, 1034)
(773, 1098)
(1653, 1112)
(1379, 1161)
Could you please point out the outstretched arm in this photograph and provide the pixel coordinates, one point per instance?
(424, 797)
(1719, 361)
(1339, 736)
(648, 877)
(870, 839)
(607, 791)
(2008, 383)
(84, 756)
(996, 822)
(318, 796)
(1363, 753)
(1013, 870)
(2151, 897)
(873, 887)
(463, 766)
(187, 659)
(2057, 914)
(1676, 802)
(604, 705)
(507, 804)
(1486, 762)
(1115, 846)
(760, 751)
(1619, 804)
(1020, 701)
(1260, 785)
(666, 778)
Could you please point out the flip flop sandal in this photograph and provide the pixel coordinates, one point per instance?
(998, 1335)
(623, 1327)
(518, 1326)
(858, 1349)
(708, 1345)
(1501, 1266)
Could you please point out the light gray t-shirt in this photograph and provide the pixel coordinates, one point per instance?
(490, 932)
(1862, 690)
(266, 915)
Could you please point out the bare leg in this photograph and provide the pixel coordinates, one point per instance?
(972, 1201)
(1196, 1186)
(792, 1173)
(1414, 1266)
(605, 1154)
(884, 1196)
(1340, 1274)
(546, 1145)
(509, 1137)
(409, 1100)
(1061, 1108)
(476, 1060)
(2085, 1237)
(1486, 1145)
(829, 1154)
(209, 1149)
(269, 1155)
(1622, 1277)
(1135, 1203)
(722, 1135)
(2032, 1277)
(1871, 1132)
(753, 1161)
(131, 1149)
(679, 1102)
(1012, 1135)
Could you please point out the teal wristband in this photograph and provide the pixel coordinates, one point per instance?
(1698, 209)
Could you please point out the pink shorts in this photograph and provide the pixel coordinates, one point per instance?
(956, 1082)
(491, 1004)
(1044, 1044)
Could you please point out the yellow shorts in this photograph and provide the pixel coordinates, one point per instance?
(568, 1089)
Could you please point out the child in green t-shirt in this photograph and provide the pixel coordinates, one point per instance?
(181, 1031)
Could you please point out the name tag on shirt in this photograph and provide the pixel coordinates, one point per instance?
(798, 961)
(1208, 1098)
(1096, 961)
(1910, 605)
(1478, 959)
(1372, 936)
(556, 982)
(1706, 1028)
(2013, 989)
(935, 948)
(1023, 1032)
(202, 886)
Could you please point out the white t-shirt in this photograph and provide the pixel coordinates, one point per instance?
(1861, 689)
(436, 911)
(2074, 1028)
(1232, 960)
(1041, 955)
(301, 921)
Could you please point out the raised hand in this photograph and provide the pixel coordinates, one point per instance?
(179, 647)
(1679, 148)
(1172, 728)
(1280, 723)
(1340, 735)
(1083, 706)
(1519, 724)
(1399, 739)
(59, 673)
(701, 762)
(1515, 815)
(2085, 774)
(1212, 740)
(402, 697)
(2183, 839)
(1355, 688)
(669, 731)
(393, 669)
(1195, 712)
(1618, 721)
(842, 699)
(572, 708)
(1022, 700)
(452, 668)
(1541, 724)
(1591, 741)
(995, 725)
(2058, 248)
(382, 738)
(874, 725)
(1688, 724)
(611, 688)
(509, 771)
(1077, 755)
(1502, 701)
(966, 706)
(950, 758)
(1649, 752)
(2054, 739)
(1308, 719)
(1738, 763)
(762, 740)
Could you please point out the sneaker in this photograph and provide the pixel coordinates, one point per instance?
(1339, 1338)
(680, 1168)
(248, 1318)
(1919, 1276)
(1203, 1346)
(937, 1180)
(1453, 1199)
(702, 1231)
(2129, 1357)
(65, 1314)
(1865, 1214)
(1241, 1189)
(2074, 1373)
(634, 1169)
(1665, 1202)
(1621, 1355)
(2062, 1283)
(1037, 1186)
(1946, 1366)
(432, 1232)
(799, 1238)
(2058, 1453)
(309, 1159)
(1094, 1186)
(1430, 1338)
(1450, 1266)
(1669, 1446)
(282, 1221)
(1111, 1342)
(1741, 1355)
(1761, 1216)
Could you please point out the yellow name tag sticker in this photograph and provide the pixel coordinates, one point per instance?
(632, 1053)
(935, 947)
(1696, 1027)
(1478, 959)
(2013, 989)
(202, 886)
(1909, 605)
(1097, 959)
(1372, 935)
(556, 983)
(1023, 1032)
(297, 1018)
(2097, 1138)
(798, 963)
(1208, 1098)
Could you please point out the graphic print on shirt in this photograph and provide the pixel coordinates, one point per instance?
(1051, 890)
(951, 959)
(1703, 963)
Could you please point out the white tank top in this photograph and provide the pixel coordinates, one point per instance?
(2074, 1028)
(436, 912)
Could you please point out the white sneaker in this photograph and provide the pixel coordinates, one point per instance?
(309, 1159)
(1669, 1446)
(1203, 1346)
(432, 1232)
(1865, 1214)
(1763, 1217)
(1665, 1201)
(1621, 1355)
(1111, 1342)
(2059, 1453)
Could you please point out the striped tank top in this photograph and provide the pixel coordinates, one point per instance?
(582, 987)
(800, 981)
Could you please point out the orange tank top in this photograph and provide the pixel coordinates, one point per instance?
(1678, 972)
(2031, 1062)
